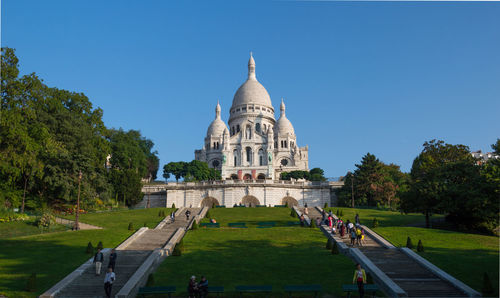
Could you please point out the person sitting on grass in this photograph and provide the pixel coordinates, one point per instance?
(212, 220)
(302, 220)
(360, 279)
(192, 287)
(203, 287)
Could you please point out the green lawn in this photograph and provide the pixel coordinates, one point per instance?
(275, 256)
(384, 218)
(251, 216)
(464, 256)
(27, 227)
(54, 255)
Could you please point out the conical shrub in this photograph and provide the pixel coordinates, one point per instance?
(292, 213)
(341, 212)
(151, 281)
(160, 213)
(329, 244)
(99, 245)
(313, 224)
(408, 243)
(487, 289)
(375, 223)
(90, 248)
(145, 225)
(213, 205)
(130, 226)
(173, 205)
(194, 226)
(207, 215)
(338, 213)
(335, 249)
(326, 205)
(177, 252)
(286, 204)
(420, 246)
(31, 284)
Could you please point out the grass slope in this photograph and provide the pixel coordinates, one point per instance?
(276, 256)
(52, 256)
(25, 228)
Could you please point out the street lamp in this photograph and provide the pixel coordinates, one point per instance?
(149, 204)
(77, 225)
(352, 189)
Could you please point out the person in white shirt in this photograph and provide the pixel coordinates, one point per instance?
(108, 281)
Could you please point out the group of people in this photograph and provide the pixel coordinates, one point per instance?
(110, 276)
(198, 289)
(354, 231)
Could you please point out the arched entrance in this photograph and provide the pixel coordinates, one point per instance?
(261, 176)
(234, 177)
(289, 201)
(209, 202)
(250, 201)
(247, 177)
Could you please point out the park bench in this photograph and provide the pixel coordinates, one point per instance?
(290, 289)
(216, 290)
(239, 206)
(266, 224)
(253, 289)
(237, 225)
(369, 288)
(210, 225)
(156, 290)
(294, 223)
(260, 206)
(220, 206)
(280, 206)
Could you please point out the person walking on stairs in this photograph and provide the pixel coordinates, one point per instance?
(112, 259)
(360, 279)
(108, 281)
(187, 214)
(172, 216)
(306, 211)
(98, 259)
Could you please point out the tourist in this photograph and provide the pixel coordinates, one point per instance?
(334, 230)
(108, 281)
(203, 287)
(112, 259)
(192, 287)
(356, 219)
(358, 235)
(363, 236)
(98, 259)
(350, 225)
(187, 214)
(306, 211)
(212, 220)
(342, 230)
(330, 222)
(172, 216)
(353, 237)
(330, 213)
(360, 279)
(318, 221)
(323, 216)
(302, 220)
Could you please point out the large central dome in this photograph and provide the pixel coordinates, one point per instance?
(251, 92)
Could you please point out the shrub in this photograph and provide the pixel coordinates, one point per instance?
(326, 205)
(173, 205)
(213, 205)
(90, 248)
(292, 213)
(335, 249)
(179, 248)
(160, 213)
(338, 213)
(313, 224)
(31, 284)
(130, 226)
(341, 212)
(286, 204)
(8, 216)
(208, 214)
(46, 220)
(408, 243)
(194, 226)
(487, 289)
(375, 223)
(329, 244)
(145, 225)
(420, 246)
(151, 281)
(99, 245)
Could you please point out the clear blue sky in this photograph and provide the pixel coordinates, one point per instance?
(357, 77)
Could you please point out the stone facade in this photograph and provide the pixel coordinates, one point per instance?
(255, 146)
(249, 193)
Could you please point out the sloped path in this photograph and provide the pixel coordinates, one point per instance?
(128, 260)
(414, 279)
(83, 226)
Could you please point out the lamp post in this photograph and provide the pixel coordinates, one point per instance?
(77, 225)
(149, 204)
(352, 189)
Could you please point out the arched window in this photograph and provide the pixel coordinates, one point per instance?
(235, 154)
(232, 131)
(215, 164)
(248, 132)
(261, 157)
(257, 127)
(249, 155)
(237, 128)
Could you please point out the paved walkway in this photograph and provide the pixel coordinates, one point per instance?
(83, 226)
(128, 261)
(414, 279)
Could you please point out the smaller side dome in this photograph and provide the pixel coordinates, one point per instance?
(217, 127)
(283, 125)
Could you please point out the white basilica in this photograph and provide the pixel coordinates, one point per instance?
(255, 146)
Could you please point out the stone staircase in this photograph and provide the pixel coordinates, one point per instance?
(155, 201)
(408, 274)
(128, 261)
